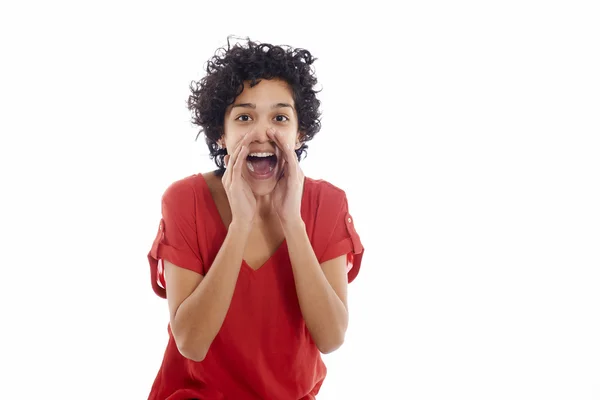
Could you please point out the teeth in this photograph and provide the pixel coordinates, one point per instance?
(261, 154)
(251, 168)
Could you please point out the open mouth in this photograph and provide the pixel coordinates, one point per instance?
(261, 165)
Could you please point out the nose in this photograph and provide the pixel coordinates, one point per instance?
(259, 133)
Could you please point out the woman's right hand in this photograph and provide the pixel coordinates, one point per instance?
(241, 199)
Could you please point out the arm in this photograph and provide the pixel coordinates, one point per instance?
(322, 289)
(197, 304)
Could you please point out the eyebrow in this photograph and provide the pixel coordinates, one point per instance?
(253, 106)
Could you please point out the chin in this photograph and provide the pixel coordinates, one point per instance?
(262, 188)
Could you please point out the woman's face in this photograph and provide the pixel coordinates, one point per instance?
(269, 104)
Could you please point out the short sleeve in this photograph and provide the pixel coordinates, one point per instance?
(342, 237)
(177, 239)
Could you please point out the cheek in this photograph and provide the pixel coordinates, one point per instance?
(231, 137)
(231, 132)
(289, 136)
(230, 141)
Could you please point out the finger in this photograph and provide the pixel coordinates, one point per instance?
(271, 133)
(283, 170)
(237, 167)
(225, 177)
(291, 161)
(277, 137)
(244, 141)
(232, 159)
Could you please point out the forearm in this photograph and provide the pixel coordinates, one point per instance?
(200, 317)
(324, 312)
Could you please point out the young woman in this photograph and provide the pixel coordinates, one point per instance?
(254, 258)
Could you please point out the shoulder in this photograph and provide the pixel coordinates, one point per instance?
(184, 188)
(323, 189)
(323, 201)
(330, 224)
(323, 196)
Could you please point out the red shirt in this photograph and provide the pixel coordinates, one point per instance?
(263, 349)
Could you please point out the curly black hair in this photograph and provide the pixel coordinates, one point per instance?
(226, 73)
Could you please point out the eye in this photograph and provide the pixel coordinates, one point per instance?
(243, 120)
(281, 115)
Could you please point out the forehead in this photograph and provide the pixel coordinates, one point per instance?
(267, 90)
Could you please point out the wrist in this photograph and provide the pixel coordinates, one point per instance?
(240, 227)
(293, 227)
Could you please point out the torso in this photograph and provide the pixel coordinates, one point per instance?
(266, 235)
(263, 349)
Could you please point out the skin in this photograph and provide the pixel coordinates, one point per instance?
(260, 214)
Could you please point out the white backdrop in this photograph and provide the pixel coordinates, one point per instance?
(466, 135)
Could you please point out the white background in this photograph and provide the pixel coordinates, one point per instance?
(466, 135)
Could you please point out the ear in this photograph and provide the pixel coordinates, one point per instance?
(299, 140)
(221, 143)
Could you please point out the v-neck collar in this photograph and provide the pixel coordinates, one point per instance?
(223, 230)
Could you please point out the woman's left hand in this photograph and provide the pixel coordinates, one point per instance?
(287, 195)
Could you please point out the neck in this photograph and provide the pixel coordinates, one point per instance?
(264, 206)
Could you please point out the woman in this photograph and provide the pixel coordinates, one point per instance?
(254, 259)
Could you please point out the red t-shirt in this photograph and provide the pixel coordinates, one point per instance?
(263, 349)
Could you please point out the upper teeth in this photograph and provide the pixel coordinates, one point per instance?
(261, 154)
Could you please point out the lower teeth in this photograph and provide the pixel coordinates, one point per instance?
(251, 167)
